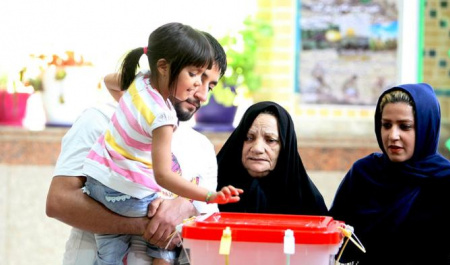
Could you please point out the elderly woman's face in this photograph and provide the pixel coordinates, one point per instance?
(261, 146)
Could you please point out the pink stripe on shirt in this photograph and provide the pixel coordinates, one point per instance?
(131, 175)
(157, 97)
(129, 141)
(131, 119)
(117, 152)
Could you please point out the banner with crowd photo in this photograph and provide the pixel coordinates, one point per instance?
(347, 50)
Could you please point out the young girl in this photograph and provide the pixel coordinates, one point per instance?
(131, 164)
(398, 200)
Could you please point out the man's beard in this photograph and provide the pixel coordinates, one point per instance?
(183, 114)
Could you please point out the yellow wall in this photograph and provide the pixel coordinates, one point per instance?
(277, 58)
(436, 52)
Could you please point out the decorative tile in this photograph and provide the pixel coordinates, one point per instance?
(433, 13)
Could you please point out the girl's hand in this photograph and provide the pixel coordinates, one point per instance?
(227, 194)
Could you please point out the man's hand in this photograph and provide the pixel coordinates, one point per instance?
(165, 216)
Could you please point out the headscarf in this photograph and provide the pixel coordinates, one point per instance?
(398, 207)
(285, 190)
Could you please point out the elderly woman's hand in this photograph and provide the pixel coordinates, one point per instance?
(227, 194)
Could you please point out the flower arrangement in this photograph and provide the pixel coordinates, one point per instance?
(32, 74)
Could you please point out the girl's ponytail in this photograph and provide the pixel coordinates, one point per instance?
(129, 67)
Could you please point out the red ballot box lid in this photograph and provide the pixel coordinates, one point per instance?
(267, 228)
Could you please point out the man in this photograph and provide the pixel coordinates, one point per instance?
(67, 203)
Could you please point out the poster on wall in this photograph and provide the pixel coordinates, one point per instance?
(348, 50)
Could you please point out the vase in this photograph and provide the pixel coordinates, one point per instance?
(215, 117)
(13, 108)
(65, 98)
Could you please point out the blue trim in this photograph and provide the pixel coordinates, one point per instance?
(420, 40)
(442, 92)
(297, 46)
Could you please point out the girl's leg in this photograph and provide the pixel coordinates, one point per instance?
(111, 248)
(141, 252)
(121, 204)
(138, 252)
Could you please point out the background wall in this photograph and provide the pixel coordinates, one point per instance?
(27, 235)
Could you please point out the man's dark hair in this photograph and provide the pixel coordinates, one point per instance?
(220, 58)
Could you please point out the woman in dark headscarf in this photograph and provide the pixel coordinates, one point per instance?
(398, 201)
(261, 157)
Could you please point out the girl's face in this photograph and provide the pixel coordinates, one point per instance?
(186, 109)
(262, 146)
(398, 132)
(189, 81)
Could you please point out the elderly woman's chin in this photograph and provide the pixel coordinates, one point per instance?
(257, 169)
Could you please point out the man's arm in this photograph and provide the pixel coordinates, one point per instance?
(67, 203)
(112, 83)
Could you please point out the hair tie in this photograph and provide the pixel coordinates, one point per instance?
(145, 50)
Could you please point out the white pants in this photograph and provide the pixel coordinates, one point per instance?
(81, 250)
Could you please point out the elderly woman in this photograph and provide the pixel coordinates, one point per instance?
(261, 157)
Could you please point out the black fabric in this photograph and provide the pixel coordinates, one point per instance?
(287, 189)
(400, 210)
